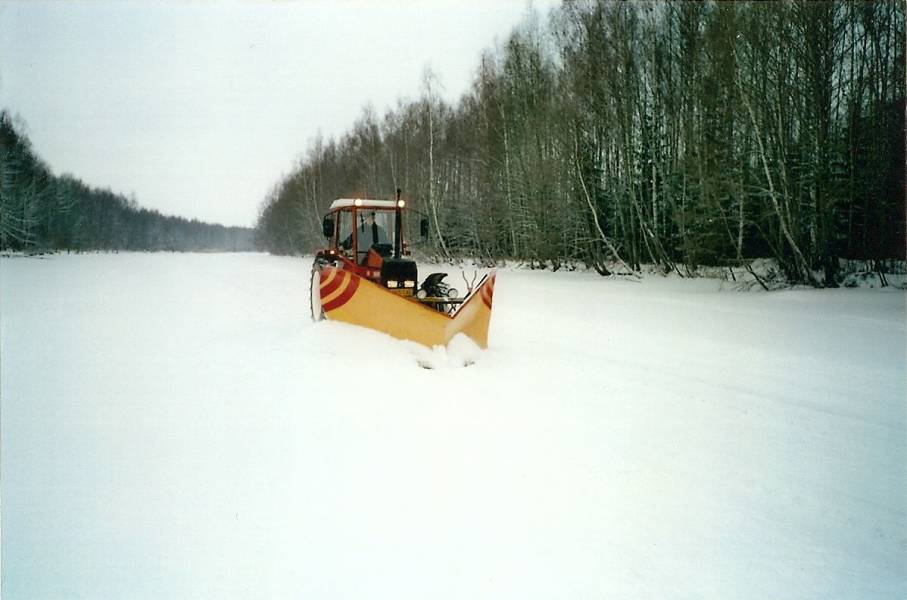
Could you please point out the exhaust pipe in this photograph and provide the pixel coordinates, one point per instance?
(398, 225)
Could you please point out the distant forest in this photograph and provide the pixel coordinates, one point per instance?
(40, 211)
(674, 134)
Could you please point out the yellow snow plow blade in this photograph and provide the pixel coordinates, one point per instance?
(351, 299)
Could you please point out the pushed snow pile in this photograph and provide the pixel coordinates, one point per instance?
(174, 426)
(460, 352)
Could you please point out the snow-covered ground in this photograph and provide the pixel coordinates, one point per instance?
(173, 426)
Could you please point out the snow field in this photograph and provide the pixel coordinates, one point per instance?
(175, 426)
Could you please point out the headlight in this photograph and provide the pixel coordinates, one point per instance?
(392, 284)
(409, 283)
(452, 293)
(421, 294)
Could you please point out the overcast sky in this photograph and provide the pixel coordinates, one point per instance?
(199, 108)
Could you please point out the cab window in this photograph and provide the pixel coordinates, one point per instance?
(345, 231)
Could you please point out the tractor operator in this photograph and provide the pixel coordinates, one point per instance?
(370, 233)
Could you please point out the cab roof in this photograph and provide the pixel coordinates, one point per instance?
(362, 203)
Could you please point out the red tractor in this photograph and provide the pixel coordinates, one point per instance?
(367, 277)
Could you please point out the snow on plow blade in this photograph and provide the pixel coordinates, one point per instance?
(351, 299)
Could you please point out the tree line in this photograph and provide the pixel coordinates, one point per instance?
(675, 134)
(40, 211)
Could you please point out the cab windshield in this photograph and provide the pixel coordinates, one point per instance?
(373, 227)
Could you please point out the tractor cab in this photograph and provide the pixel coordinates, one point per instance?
(367, 237)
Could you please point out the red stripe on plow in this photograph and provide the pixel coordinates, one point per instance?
(487, 293)
(345, 295)
(331, 282)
